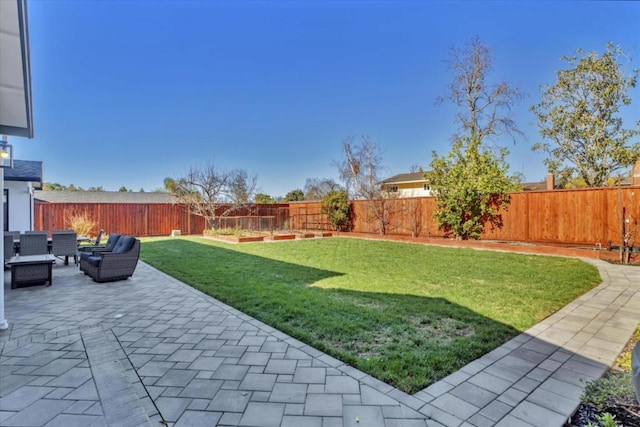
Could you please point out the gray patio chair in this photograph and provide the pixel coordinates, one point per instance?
(118, 264)
(87, 251)
(98, 239)
(108, 246)
(9, 250)
(65, 244)
(33, 244)
(89, 245)
(15, 234)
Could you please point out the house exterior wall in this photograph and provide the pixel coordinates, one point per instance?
(20, 206)
(410, 189)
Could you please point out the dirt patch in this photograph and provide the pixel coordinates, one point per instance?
(418, 332)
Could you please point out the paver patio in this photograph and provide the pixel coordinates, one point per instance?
(152, 349)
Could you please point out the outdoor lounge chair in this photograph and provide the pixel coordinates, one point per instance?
(118, 264)
(87, 251)
(65, 244)
(33, 244)
(91, 249)
(95, 242)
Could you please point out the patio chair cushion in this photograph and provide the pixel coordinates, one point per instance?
(124, 244)
(112, 241)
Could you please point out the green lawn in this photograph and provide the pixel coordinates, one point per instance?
(404, 313)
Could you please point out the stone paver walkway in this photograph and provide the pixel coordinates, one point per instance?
(151, 349)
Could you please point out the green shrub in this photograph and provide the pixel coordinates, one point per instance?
(336, 206)
(609, 390)
(605, 420)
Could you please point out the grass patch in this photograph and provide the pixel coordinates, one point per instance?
(406, 314)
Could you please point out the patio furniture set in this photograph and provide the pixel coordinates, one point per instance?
(31, 256)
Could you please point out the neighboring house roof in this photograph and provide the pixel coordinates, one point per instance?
(405, 178)
(52, 196)
(534, 186)
(25, 171)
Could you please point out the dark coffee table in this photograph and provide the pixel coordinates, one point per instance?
(29, 269)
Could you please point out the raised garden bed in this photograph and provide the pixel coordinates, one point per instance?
(283, 237)
(235, 239)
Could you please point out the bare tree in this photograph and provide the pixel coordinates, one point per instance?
(212, 193)
(361, 170)
(317, 188)
(413, 207)
(483, 107)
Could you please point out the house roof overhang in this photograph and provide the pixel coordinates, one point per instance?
(25, 171)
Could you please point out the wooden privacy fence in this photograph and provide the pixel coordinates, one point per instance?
(580, 216)
(154, 219)
(137, 219)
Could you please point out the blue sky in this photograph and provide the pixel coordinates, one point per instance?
(130, 92)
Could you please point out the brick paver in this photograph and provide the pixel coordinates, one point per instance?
(152, 349)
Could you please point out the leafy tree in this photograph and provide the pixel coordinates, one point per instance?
(471, 186)
(316, 188)
(53, 186)
(578, 118)
(470, 183)
(169, 184)
(95, 189)
(361, 171)
(141, 190)
(296, 195)
(123, 189)
(264, 198)
(211, 192)
(335, 205)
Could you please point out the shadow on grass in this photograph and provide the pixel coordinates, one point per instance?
(407, 341)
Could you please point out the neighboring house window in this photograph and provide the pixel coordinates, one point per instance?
(426, 187)
(5, 203)
(392, 189)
